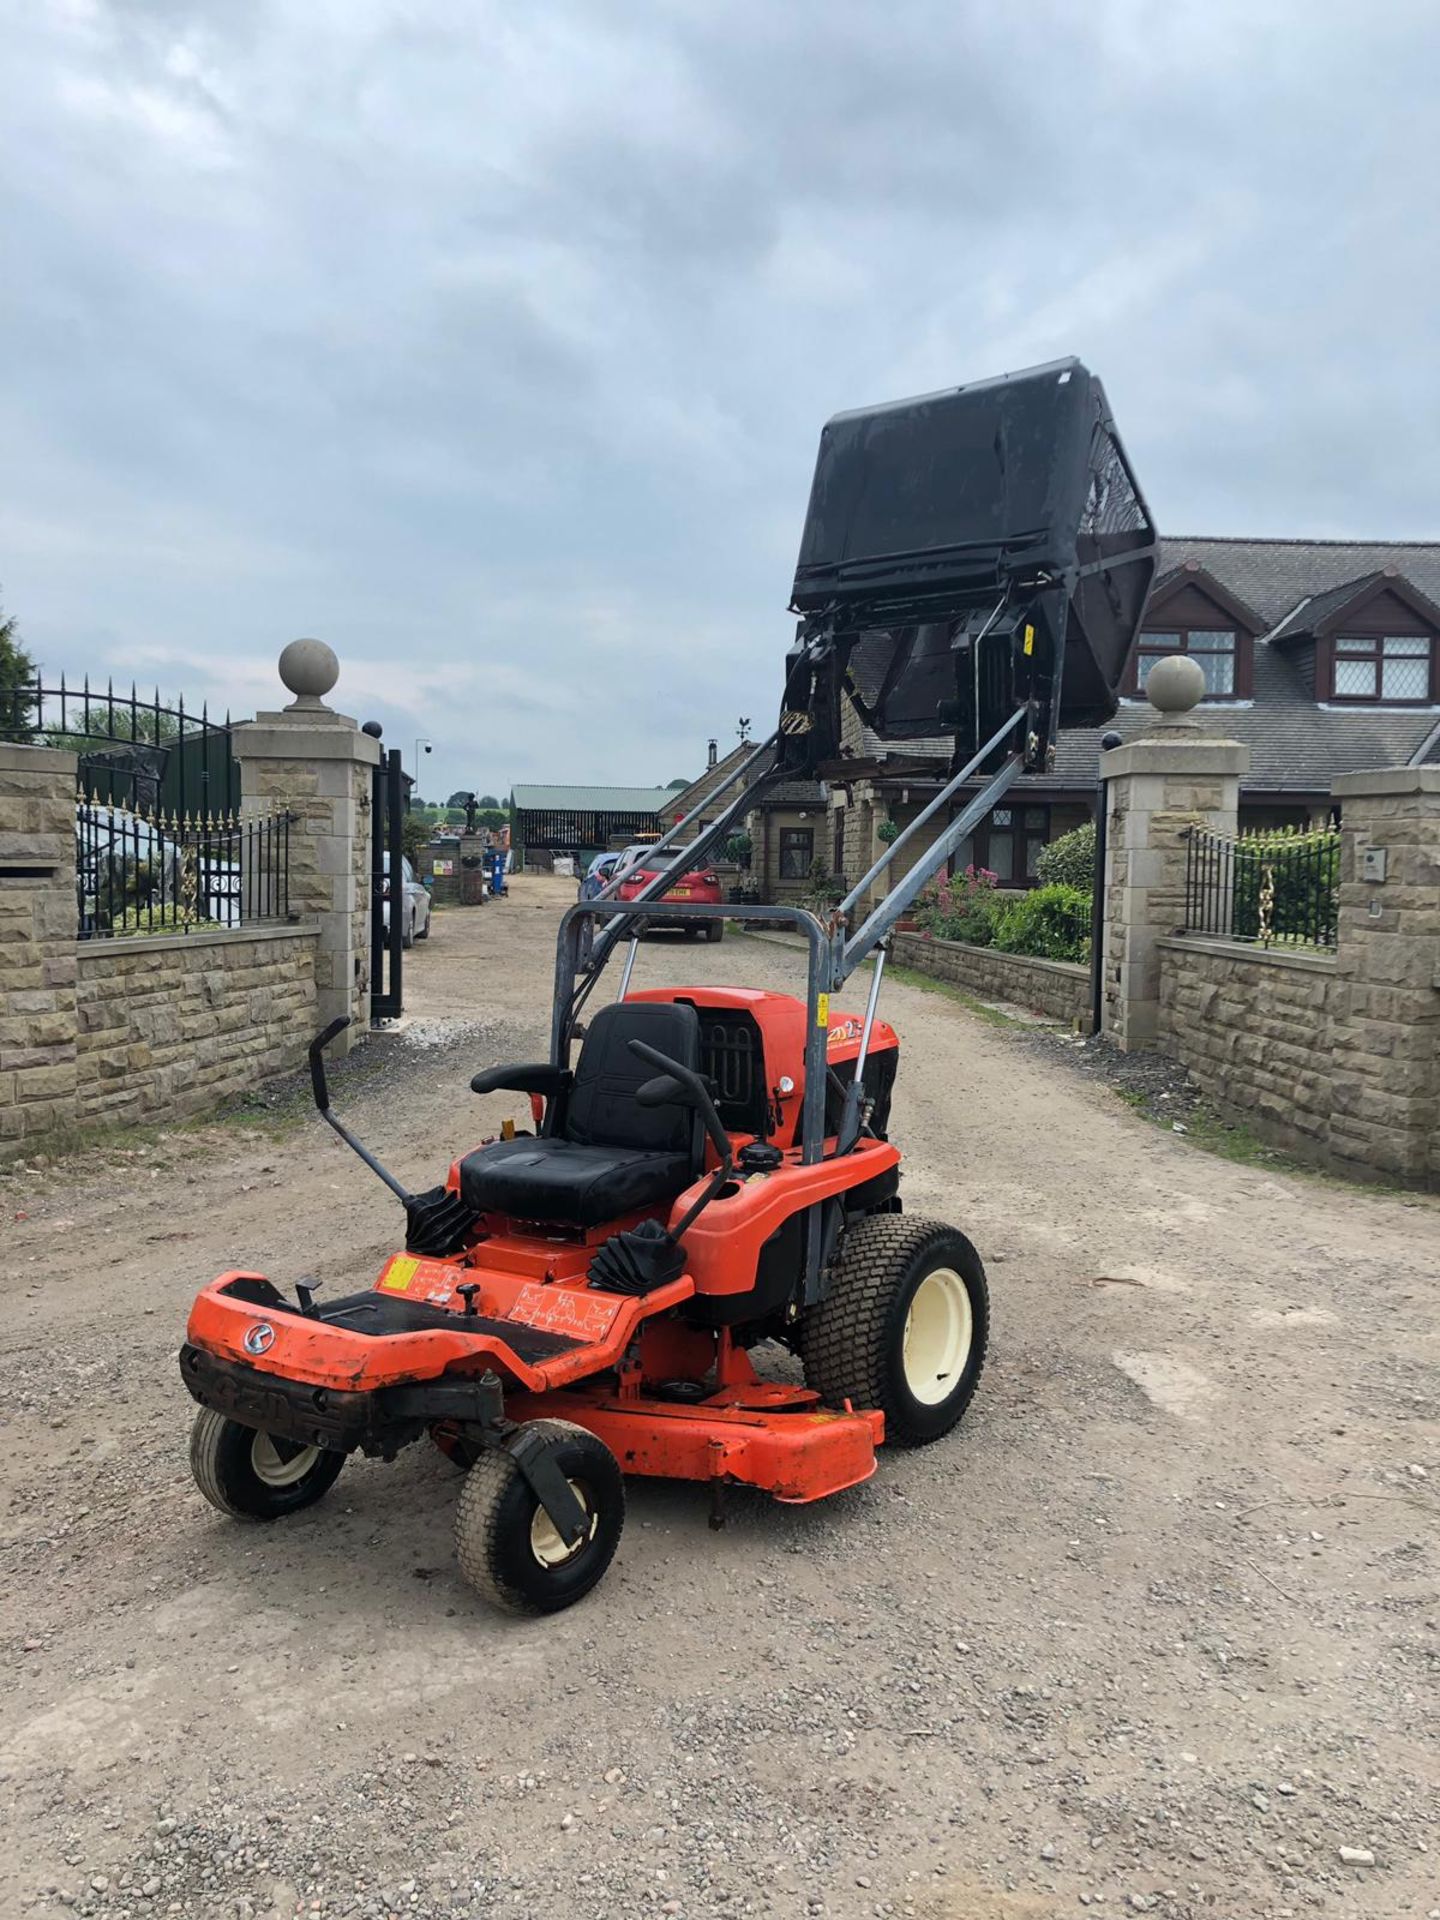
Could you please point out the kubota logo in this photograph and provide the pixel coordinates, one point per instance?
(259, 1338)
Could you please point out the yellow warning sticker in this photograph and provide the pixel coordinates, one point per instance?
(822, 1010)
(1029, 638)
(400, 1272)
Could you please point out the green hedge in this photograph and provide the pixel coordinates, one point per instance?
(1052, 923)
(1070, 860)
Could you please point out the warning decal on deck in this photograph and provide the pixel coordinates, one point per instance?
(400, 1272)
(580, 1316)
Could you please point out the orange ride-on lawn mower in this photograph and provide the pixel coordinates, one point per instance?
(714, 1171)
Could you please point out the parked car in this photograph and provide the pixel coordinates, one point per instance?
(700, 885)
(416, 922)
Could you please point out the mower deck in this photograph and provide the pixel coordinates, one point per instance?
(373, 1370)
(773, 1437)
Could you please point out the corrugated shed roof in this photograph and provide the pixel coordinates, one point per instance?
(591, 799)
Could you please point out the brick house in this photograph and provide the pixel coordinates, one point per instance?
(1322, 656)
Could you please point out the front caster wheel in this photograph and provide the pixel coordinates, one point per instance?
(257, 1476)
(903, 1327)
(507, 1545)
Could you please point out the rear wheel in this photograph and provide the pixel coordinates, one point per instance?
(407, 932)
(715, 931)
(257, 1476)
(507, 1545)
(903, 1328)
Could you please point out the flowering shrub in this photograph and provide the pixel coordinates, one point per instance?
(965, 908)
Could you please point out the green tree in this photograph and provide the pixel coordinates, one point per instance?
(488, 803)
(459, 797)
(415, 832)
(17, 676)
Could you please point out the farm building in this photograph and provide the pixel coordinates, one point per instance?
(583, 821)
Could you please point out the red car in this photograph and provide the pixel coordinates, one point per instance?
(700, 885)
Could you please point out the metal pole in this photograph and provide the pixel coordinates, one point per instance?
(902, 896)
(694, 853)
(1108, 741)
(629, 968)
(855, 1093)
(394, 983)
(857, 892)
(668, 838)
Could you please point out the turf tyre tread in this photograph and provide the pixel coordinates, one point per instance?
(480, 1524)
(218, 1450)
(847, 1343)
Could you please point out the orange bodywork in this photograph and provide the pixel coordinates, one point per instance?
(627, 1368)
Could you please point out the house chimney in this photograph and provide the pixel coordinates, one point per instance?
(714, 754)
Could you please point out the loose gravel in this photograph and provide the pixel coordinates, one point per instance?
(1156, 1631)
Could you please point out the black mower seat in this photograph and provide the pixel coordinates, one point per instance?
(606, 1155)
(559, 1180)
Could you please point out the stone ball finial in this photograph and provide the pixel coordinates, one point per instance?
(309, 669)
(1174, 685)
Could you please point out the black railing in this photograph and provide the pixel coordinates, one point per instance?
(141, 873)
(133, 752)
(1275, 889)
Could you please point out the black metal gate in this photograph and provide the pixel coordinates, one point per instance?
(387, 886)
(132, 753)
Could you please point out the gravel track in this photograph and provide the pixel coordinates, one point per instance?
(1157, 1630)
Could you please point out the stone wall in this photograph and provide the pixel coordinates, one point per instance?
(113, 1031)
(37, 942)
(1335, 1057)
(1251, 1024)
(170, 1026)
(1058, 988)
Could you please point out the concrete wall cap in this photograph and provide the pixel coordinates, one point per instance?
(53, 760)
(1388, 780)
(302, 737)
(1189, 754)
(93, 952)
(1246, 955)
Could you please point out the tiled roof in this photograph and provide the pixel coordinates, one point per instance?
(1315, 607)
(1273, 576)
(796, 793)
(1295, 745)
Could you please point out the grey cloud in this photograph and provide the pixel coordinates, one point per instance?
(493, 343)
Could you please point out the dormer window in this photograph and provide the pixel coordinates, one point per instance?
(1389, 669)
(1214, 652)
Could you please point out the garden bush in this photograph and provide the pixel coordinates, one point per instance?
(1051, 923)
(1070, 860)
(138, 921)
(965, 908)
(1304, 870)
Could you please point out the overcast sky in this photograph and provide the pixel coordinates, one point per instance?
(491, 343)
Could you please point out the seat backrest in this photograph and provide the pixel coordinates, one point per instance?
(602, 1109)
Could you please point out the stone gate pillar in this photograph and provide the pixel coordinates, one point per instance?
(1174, 776)
(38, 918)
(1385, 1012)
(318, 764)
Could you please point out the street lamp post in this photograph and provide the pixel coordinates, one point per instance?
(418, 745)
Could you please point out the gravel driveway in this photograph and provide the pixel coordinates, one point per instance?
(1157, 1630)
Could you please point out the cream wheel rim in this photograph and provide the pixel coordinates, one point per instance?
(545, 1542)
(939, 1330)
(276, 1469)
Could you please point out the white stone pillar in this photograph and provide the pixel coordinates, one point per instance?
(319, 765)
(1175, 776)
